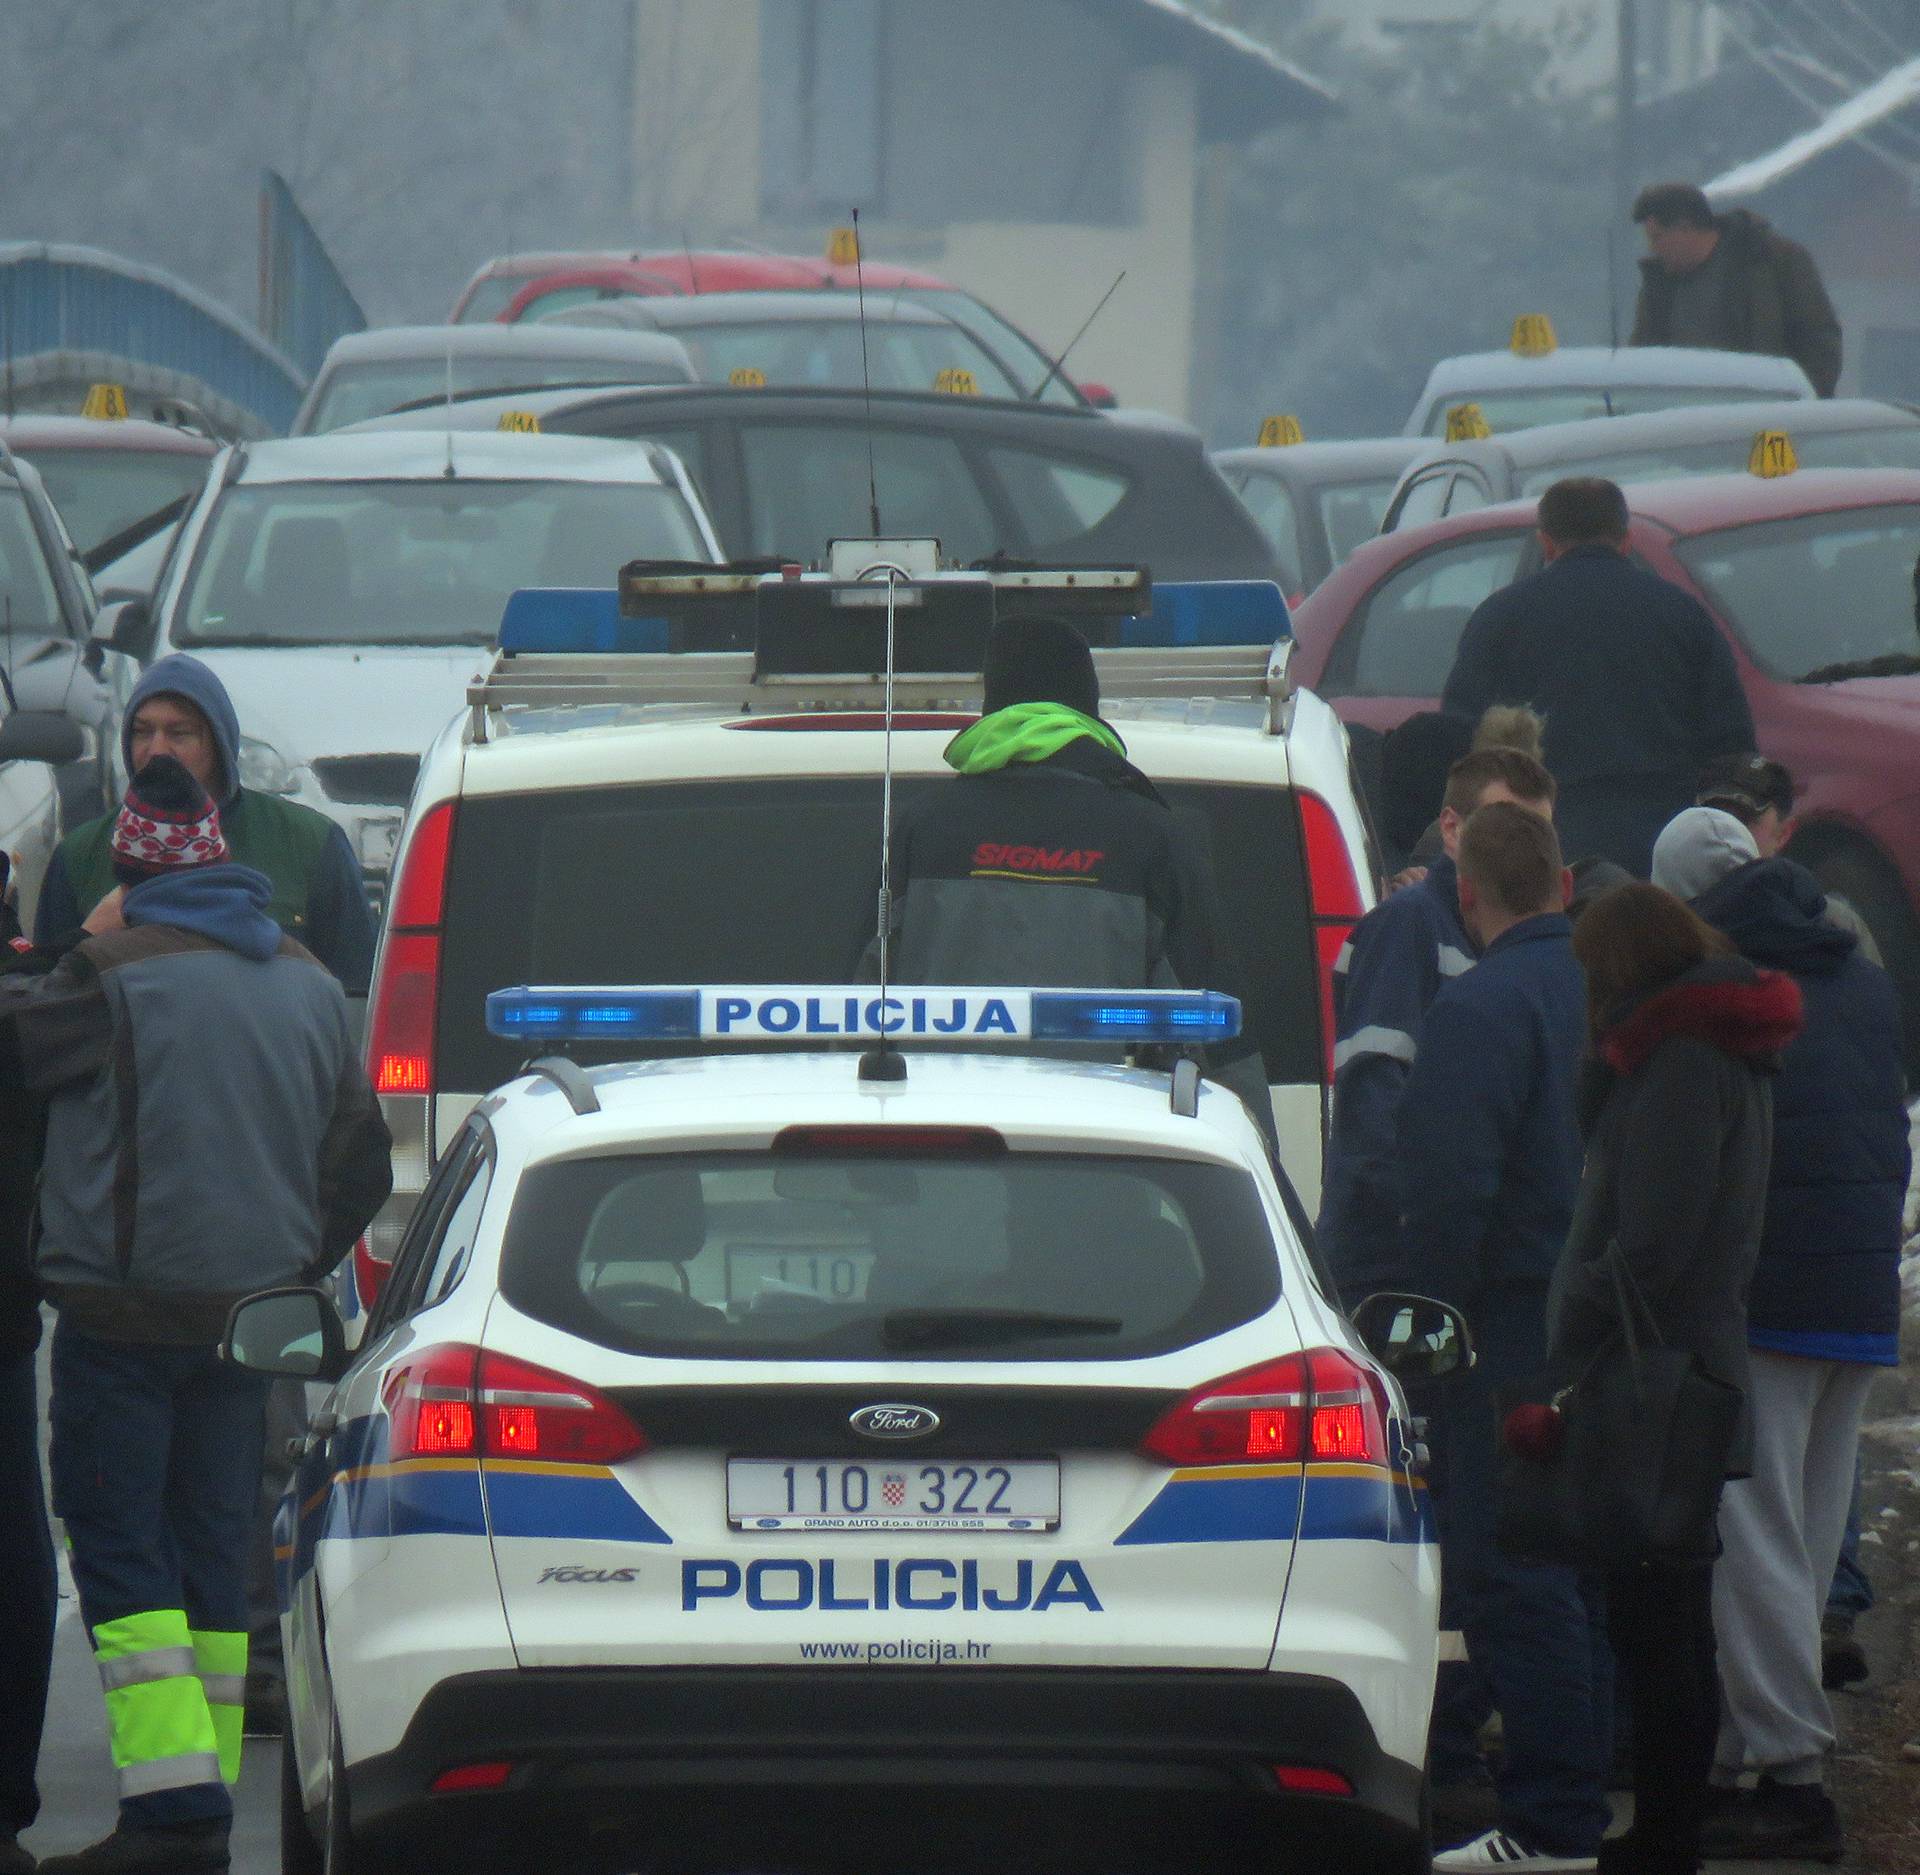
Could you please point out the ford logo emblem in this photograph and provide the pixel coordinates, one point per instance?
(895, 1422)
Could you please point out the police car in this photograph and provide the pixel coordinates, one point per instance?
(859, 1452)
(620, 804)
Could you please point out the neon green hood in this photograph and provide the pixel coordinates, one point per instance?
(1025, 732)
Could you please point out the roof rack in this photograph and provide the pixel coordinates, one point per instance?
(742, 639)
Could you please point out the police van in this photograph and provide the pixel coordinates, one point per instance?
(861, 1453)
(621, 804)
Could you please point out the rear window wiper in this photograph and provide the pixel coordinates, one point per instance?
(1891, 664)
(963, 1328)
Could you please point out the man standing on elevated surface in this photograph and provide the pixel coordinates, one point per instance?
(1730, 283)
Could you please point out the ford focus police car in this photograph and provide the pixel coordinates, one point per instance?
(904, 1458)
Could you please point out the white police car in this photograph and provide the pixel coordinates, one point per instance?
(900, 1459)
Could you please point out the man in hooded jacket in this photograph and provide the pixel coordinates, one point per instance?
(1823, 1314)
(210, 1132)
(1052, 860)
(180, 708)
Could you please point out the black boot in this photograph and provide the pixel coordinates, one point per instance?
(175, 1849)
(14, 1860)
(1778, 1822)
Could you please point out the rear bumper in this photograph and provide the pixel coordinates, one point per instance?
(748, 1749)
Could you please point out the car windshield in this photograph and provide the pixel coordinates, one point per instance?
(1000, 336)
(850, 1255)
(412, 562)
(491, 297)
(28, 601)
(1573, 403)
(901, 356)
(101, 492)
(1818, 591)
(353, 392)
(1885, 446)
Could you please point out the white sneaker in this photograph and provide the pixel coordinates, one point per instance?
(1497, 1850)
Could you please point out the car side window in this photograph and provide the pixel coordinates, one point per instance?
(448, 1260)
(1271, 504)
(1057, 498)
(1425, 499)
(447, 1183)
(806, 483)
(1403, 641)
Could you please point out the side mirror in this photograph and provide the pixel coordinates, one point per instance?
(1414, 1337)
(41, 736)
(293, 1332)
(127, 626)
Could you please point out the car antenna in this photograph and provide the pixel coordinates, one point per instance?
(873, 487)
(449, 468)
(6, 343)
(1053, 370)
(693, 272)
(6, 675)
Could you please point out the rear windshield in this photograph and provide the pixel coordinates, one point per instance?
(899, 355)
(1021, 1256)
(101, 492)
(773, 882)
(1573, 403)
(1883, 446)
(353, 393)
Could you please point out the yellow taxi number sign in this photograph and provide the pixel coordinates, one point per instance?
(1467, 424)
(523, 422)
(956, 381)
(1773, 454)
(747, 378)
(1534, 336)
(1281, 432)
(107, 402)
(843, 247)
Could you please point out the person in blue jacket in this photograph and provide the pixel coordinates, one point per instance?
(1490, 1162)
(1636, 681)
(1401, 955)
(1823, 1315)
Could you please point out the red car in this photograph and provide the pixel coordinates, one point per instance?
(1812, 578)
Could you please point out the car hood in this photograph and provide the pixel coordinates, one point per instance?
(321, 700)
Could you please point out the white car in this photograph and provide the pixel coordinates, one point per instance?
(346, 588)
(1490, 393)
(765, 1451)
(651, 813)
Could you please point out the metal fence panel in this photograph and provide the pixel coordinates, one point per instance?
(304, 303)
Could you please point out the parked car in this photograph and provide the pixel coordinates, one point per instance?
(368, 373)
(1702, 439)
(784, 470)
(344, 588)
(1811, 577)
(819, 338)
(1316, 502)
(106, 475)
(1512, 390)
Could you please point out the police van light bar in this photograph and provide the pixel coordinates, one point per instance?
(575, 618)
(813, 1012)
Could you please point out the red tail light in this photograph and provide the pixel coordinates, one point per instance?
(1334, 890)
(421, 895)
(400, 1024)
(456, 1402)
(1313, 1778)
(488, 1775)
(1318, 1407)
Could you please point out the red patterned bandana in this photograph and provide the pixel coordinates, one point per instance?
(151, 836)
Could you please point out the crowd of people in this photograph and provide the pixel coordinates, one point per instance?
(1674, 1072)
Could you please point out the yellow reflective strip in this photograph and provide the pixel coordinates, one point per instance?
(1188, 1474)
(160, 1719)
(399, 1468)
(142, 1633)
(546, 1470)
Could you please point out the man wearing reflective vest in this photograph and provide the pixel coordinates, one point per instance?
(210, 1132)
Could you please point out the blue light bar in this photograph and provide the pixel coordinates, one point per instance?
(575, 618)
(813, 1012)
(1211, 612)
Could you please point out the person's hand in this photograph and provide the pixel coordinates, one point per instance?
(1409, 875)
(105, 916)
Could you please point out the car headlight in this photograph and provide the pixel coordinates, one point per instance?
(264, 769)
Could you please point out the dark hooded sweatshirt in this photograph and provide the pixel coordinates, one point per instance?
(210, 1131)
(317, 894)
(1827, 1285)
(1678, 1113)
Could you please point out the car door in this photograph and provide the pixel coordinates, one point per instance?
(1399, 642)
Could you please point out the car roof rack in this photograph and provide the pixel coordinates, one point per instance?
(745, 639)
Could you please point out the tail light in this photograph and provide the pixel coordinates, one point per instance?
(458, 1402)
(1321, 1407)
(489, 1774)
(1334, 891)
(400, 1037)
(1315, 1779)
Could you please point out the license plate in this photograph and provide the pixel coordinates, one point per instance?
(953, 1494)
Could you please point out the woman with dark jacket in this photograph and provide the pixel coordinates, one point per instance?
(1677, 1111)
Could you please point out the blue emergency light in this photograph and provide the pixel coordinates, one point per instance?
(1185, 613)
(917, 1015)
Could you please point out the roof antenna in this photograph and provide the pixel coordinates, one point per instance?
(693, 272)
(873, 489)
(449, 467)
(6, 344)
(1053, 370)
(883, 1061)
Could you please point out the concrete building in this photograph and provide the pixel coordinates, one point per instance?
(1028, 150)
